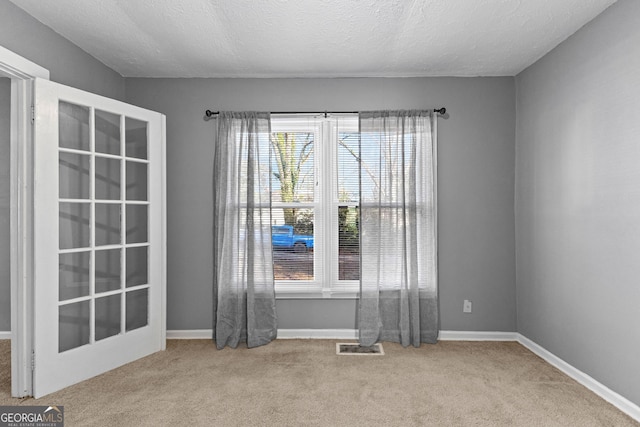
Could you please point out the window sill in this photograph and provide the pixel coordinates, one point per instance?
(316, 294)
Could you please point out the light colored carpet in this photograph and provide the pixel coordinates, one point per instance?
(303, 382)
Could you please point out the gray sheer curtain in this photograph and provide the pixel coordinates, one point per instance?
(398, 279)
(243, 288)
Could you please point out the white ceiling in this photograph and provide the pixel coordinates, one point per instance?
(315, 38)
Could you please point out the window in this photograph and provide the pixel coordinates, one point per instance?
(315, 196)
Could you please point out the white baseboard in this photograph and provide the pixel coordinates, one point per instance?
(190, 334)
(477, 336)
(5, 335)
(328, 334)
(318, 334)
(595, 386)
(196, 334)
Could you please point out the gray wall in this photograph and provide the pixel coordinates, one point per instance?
(66, 62)
(476, 184)
(5, 272)
(578, 200)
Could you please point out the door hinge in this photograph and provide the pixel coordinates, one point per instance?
(33, 360)
(33, 114)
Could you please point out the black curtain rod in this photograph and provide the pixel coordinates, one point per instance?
(210, 113)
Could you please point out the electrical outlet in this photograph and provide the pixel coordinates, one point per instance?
(466, 308)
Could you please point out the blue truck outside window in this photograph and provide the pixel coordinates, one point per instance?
(283, 237)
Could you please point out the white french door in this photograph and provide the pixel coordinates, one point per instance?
(99, 274)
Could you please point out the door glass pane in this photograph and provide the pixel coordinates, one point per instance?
(74, 225)
(107, 132)
(73, 126)
(137, 223)
(137, 309)
(74, 176)
(136, 181)
(108, 311)
(107, 270)
(107, 179)
(73, 275)
(136, 138)
(107, 224)
(137, 266)
(73, 325)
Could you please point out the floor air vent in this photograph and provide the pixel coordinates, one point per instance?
(354, 349)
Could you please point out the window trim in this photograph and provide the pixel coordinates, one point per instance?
(325, 284)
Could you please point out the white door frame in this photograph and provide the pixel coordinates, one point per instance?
(22, 72)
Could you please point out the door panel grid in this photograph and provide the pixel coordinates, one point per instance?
(103, 225)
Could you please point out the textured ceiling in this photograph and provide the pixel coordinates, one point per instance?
(315, 38)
